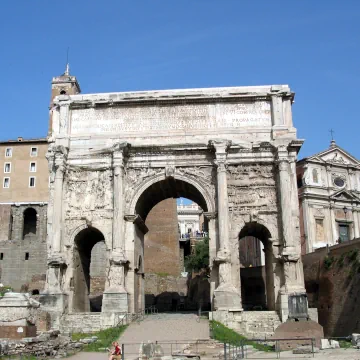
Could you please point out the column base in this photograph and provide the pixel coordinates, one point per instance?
(226, 297)
(115, 302)
(56, 305)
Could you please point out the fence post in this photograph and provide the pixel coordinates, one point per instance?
(312, 347)
(122, 352)
(242, 349)
(224, 351)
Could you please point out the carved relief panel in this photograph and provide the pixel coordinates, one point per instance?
(87, 191)
(251, 187)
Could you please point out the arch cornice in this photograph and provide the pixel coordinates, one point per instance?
(200, 186)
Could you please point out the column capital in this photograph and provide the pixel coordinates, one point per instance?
(210, 215)
(220, 145)
(119, 151)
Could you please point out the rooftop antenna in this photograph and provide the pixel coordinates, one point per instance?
(67, 69)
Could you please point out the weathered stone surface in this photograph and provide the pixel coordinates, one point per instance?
(305, 350)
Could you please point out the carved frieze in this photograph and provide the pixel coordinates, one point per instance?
(251, 187)
(88, 190)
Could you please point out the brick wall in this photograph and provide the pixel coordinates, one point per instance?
(161, 253)
(335, 290)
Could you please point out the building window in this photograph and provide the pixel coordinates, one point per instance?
(34, 151)
(8, 152)
(26, 256)
(7, 168)
(1, 256)
(6, 183)
(315, 176)
(344, 232)
(33, 167)
(339, 182)
(32, 181)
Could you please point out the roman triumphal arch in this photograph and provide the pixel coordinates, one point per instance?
(112, 157)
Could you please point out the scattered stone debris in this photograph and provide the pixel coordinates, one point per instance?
(46, 344)
(329, 344)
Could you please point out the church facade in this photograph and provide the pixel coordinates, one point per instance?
(329, 198)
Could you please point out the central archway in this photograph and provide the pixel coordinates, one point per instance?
(156, 205)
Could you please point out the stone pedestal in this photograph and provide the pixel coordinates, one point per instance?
(115, 297)
(53, 299)
(226, 296)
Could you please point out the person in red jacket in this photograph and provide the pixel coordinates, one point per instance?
(116, 353)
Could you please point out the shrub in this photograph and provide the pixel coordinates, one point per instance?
(328, 261)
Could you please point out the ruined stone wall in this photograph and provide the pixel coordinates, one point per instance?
(17, 272)
(333, 286)
(161, 253)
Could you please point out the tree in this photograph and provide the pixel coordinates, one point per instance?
(199, 259)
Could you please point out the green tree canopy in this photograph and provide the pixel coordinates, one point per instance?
(199, 260)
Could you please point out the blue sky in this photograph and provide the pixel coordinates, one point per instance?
(139, 45)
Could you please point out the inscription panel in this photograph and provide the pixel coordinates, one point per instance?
(170, 118)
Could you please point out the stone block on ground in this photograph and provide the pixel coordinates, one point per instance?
(355, 338)
(329, 344)
(298, 330)
(305, 350)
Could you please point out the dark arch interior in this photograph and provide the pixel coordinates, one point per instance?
(30, 219)
(84, 241)
(256, 279)
(164, 189)
(256, 230)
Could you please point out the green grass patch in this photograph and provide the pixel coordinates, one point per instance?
(162, 274)
(229, 336)
(105, 338)
(345, 344)
(352, 255)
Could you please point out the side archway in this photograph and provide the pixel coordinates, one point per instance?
(84, 242)
(256, 267)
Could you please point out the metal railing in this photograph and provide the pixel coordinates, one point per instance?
(247, 347)
(151, 310)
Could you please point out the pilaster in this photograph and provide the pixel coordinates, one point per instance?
(356, 223)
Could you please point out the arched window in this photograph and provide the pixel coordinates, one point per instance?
(30, 220)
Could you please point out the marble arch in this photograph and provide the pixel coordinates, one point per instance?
(236, 146)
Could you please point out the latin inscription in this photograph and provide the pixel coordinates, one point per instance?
(167, 118)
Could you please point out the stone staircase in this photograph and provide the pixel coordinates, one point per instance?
(81, 322)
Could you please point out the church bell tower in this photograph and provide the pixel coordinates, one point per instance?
(64, 84)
